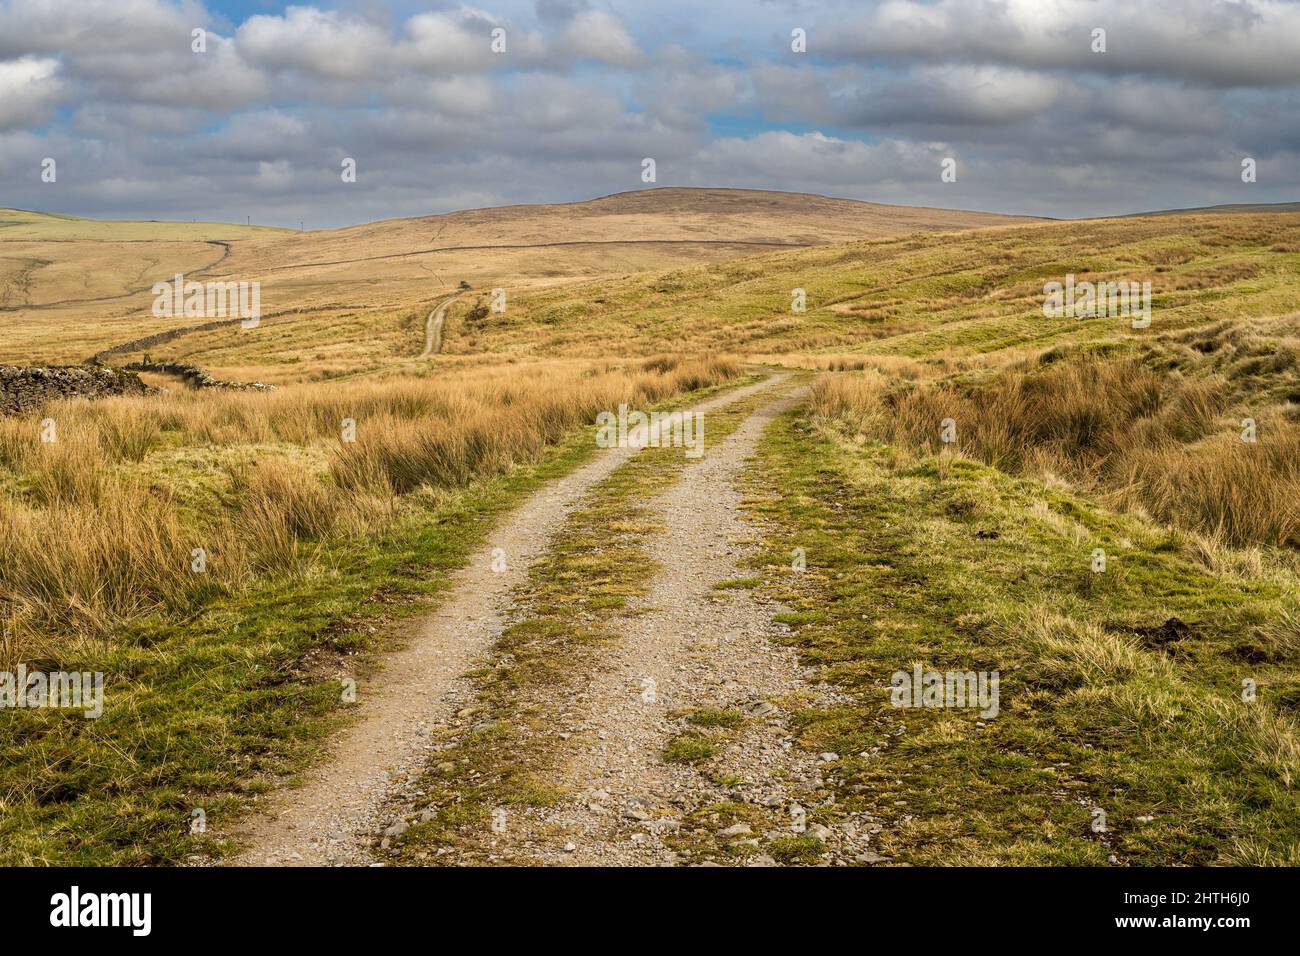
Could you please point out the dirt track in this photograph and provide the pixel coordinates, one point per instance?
(686, 647)
(335, 816)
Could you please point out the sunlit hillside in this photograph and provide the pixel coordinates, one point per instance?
(353, 299)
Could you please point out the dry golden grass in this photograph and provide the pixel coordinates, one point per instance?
(100, 526)
(1237, 492)
(120, 555)
(22, 224)
(1153, 441)
(398, 453)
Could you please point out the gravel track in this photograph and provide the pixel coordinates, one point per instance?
(338, 811)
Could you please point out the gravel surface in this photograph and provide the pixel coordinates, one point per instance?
(337, 812)
(691, 647)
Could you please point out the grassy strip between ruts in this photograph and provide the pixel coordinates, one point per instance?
(505, 751)
(1123, 735)
(208, 711)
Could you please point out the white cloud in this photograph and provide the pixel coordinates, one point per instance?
(29, 87)
(317, 42)
(274, 177)
(597, 35)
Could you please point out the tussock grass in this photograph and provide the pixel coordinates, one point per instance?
(1237, 492)
(68, 472)
(281, 505)
(1140, 690)
(77, 568)
(1082, 653)
(475, 438)
(1153, 440)
(96, 531)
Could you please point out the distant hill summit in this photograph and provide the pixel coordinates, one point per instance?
(674, 213)
(1259, 207)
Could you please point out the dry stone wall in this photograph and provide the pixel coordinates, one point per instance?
(27, 388)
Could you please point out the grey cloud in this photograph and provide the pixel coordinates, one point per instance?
(1254, 42)
(258, 124)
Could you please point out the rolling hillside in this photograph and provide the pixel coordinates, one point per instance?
(71, 287)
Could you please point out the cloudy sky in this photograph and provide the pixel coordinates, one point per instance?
(259, 124)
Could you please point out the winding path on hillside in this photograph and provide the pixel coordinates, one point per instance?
(433, 328)
(129, 293)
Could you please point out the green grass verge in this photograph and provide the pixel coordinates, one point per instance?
(1121, 692)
